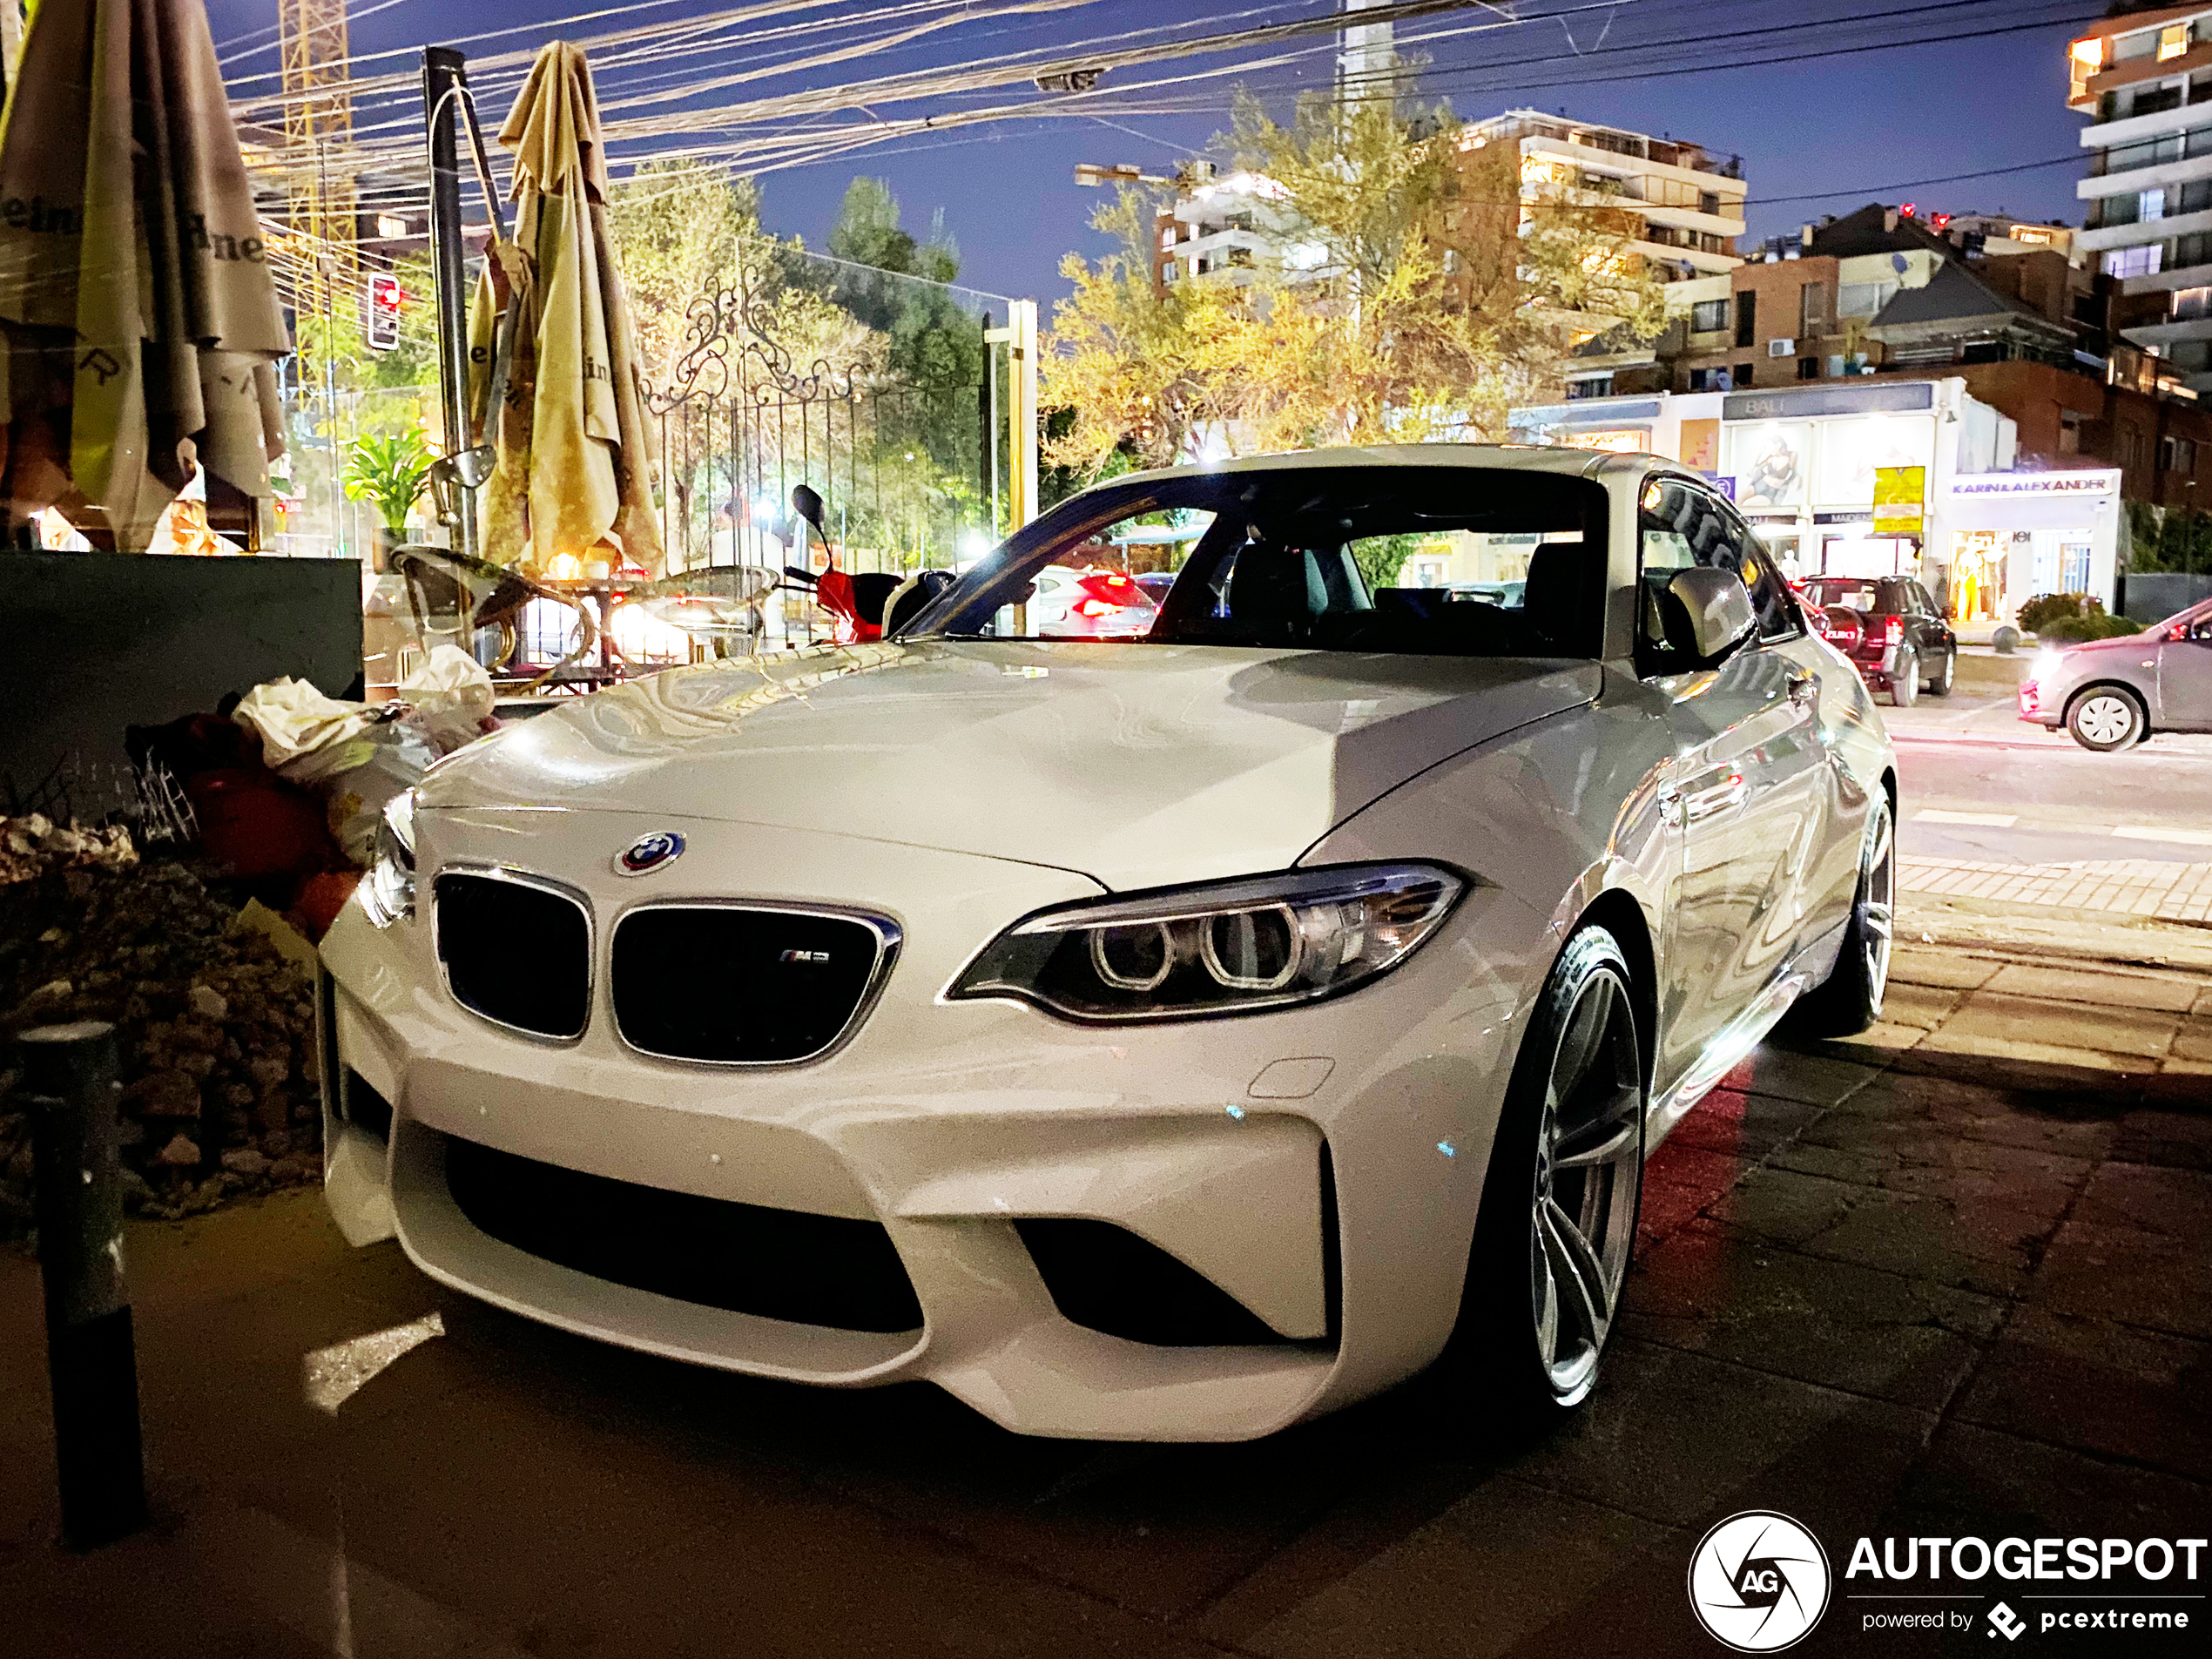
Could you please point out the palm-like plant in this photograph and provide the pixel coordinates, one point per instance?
(390, 471)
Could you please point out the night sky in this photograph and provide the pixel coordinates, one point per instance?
(1878, 125)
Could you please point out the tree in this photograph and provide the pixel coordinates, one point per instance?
(1412, 295)
(933, 355)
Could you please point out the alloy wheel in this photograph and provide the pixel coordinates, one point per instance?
(1589, 1150)
(1877, 902)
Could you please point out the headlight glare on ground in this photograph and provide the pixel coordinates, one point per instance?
(1227, 947)
(388, 891)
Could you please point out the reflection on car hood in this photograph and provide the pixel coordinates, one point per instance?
(1134, 763)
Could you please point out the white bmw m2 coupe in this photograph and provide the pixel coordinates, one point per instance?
(1169, 1037)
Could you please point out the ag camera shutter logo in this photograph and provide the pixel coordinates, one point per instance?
(1758, 1581)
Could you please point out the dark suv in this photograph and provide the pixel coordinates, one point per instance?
(1892, 631)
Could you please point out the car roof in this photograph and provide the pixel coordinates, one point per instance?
(1513, 456)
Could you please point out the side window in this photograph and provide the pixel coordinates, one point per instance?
(1683, 525)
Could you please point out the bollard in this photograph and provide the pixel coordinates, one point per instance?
(70, 1075)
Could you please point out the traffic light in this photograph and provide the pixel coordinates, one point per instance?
(385, 298)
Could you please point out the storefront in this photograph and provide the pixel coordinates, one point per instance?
(2014, 535)
(1802, 462)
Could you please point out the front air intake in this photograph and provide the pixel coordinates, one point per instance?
(779, 1263)
(1109, 1279)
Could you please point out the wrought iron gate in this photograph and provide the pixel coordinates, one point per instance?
(908, 470)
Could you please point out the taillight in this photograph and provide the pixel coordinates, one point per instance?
(1093, 608)
(1893, 633)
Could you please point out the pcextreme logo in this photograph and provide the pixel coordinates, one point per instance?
(1758, 1581)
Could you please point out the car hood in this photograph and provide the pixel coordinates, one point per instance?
(1134, 763)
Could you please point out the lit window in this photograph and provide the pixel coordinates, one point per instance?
(2150, 203)
(2173, 41)
(390, 226)
(2192, 303)
(2135, 261)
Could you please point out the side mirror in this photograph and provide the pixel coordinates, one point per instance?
(1713, 613)
(808, 505)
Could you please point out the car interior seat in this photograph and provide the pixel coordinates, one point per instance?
(1563, 602)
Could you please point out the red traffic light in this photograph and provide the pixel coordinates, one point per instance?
(385, 299)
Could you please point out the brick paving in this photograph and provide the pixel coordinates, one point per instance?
(2129, 887)
(1951, 1279)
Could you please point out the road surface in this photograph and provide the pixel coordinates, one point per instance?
(1977, 782)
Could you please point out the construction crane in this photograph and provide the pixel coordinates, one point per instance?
(319, 120)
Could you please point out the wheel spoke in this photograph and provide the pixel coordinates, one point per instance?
(1614, 1130)
(1584, 1029)
(1576, 1270)
(1876, 919)
(1544, 1291)
(1606, 1151)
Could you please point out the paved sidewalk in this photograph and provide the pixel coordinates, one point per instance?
(1951, 1279)
(2130, 887)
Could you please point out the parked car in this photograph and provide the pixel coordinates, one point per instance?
(1893, 631)
(1173, 1038)
(1089, 603)
(1156, 584)
(2113, 693)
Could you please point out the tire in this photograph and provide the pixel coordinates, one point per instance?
(1904, 680)
(1850, 999)
(1557, 1226)
(1941, 684)
(2107, 718)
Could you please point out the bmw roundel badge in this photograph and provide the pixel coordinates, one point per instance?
(650, 853)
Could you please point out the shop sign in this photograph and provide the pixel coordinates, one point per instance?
(1827, 400)
(2104, 481)
(1900, 500)
(1625, 441)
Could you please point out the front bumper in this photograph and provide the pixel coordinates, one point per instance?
(1321, 1166)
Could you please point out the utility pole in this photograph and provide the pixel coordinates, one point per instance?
(1021, 354)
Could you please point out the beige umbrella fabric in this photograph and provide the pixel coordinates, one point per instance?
(575, 451)
(140, 319)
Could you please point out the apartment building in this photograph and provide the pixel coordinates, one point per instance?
(1224, 226)
(1688, 202)
(2144, 79)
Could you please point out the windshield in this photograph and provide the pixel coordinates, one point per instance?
(1855, 593)
(1443, 561)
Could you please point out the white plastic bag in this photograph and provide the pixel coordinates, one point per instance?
(306, 736)
(451, 697)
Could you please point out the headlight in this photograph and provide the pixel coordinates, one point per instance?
(1228, 947)
(388, 891)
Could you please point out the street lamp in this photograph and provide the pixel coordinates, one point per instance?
(1095, 175)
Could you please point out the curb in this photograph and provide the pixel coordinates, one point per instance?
(1939, 920)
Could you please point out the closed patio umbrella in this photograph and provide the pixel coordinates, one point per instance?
(140, 319)
(574, 450)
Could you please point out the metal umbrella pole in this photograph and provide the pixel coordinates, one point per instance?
(443, 75)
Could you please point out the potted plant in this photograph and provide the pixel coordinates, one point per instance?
(389, 471)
